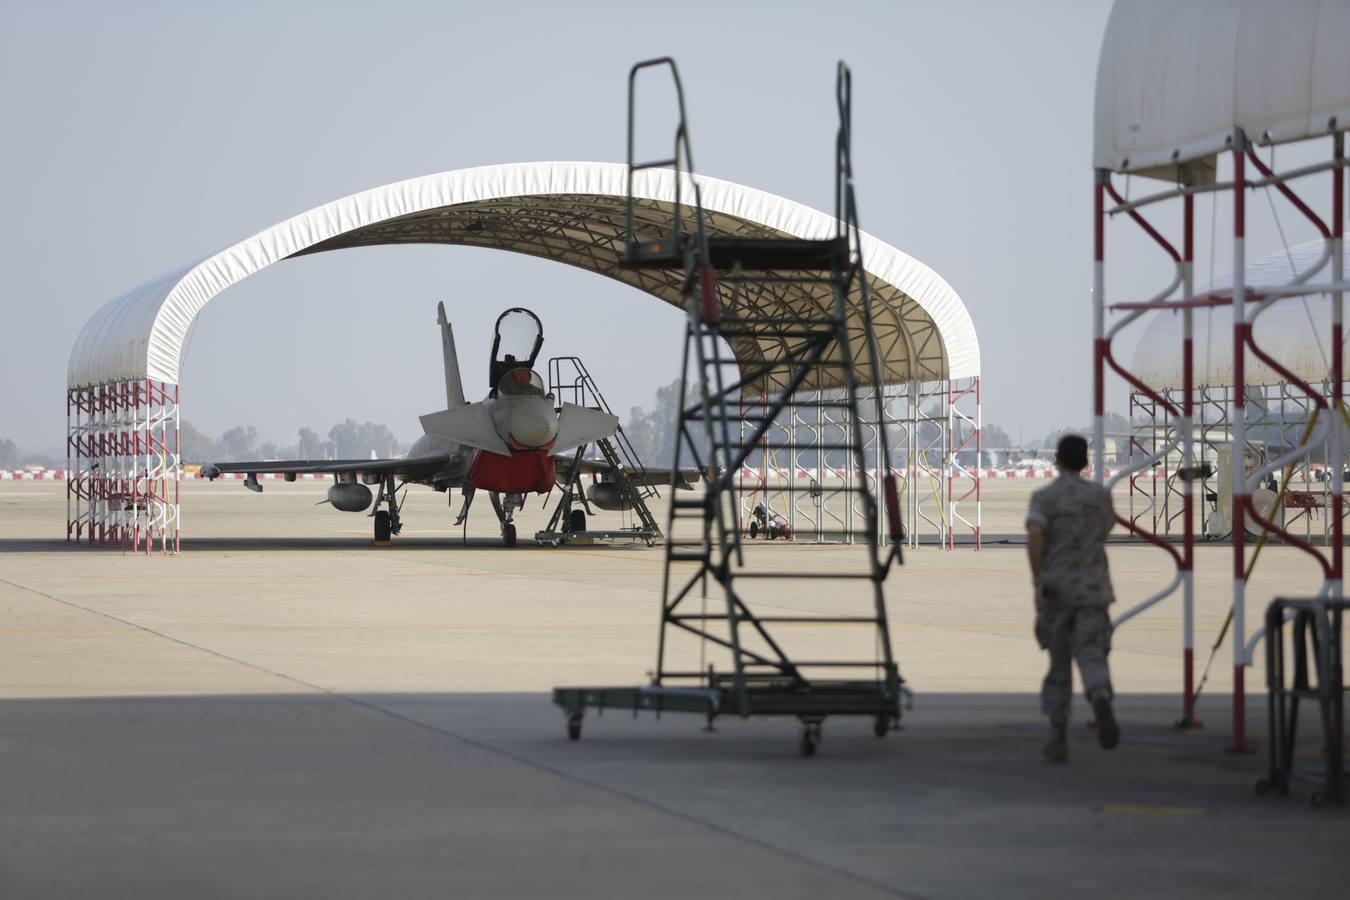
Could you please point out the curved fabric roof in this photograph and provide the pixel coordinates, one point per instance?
(572, 212)
(1295, 331)
(1175, 79)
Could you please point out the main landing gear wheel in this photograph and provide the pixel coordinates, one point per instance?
(384, 529)
(577, 520)
(509, 534)
(574, 728)
(810, 738)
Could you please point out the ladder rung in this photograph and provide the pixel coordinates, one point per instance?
(700, 503)
(845, 576)
(654, 164)
(681, 556)
(807, 620)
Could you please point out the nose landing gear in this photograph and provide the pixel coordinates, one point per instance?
(505, 506)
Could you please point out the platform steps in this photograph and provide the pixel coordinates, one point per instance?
(742, 665)
(571, 382)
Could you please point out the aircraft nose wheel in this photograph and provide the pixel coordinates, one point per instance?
(509, 534)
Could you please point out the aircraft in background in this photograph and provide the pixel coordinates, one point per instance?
(504, 444)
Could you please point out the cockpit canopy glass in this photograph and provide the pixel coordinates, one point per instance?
(521, 383)
(518, 333)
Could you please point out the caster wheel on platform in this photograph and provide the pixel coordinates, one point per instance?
(574, 728)
(577, 520)
(881, 725)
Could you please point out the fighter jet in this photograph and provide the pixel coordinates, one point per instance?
(504, 444)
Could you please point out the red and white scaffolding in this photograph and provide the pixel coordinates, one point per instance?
(122, 465)
(1177, 409)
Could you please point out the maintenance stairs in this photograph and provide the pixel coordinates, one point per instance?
(570, 382)
(808, 363)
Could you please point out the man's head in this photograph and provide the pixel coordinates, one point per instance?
(1071, 454)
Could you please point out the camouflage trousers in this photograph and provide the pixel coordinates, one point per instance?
(1081, 633)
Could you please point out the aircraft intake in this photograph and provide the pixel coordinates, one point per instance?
(350, 497)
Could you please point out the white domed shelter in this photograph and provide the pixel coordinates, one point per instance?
(123, 380)
(1297, 333)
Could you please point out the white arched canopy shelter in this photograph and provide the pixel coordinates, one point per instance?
(572, 212)
(125, 365)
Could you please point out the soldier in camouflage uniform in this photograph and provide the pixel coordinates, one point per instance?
(1067, 525)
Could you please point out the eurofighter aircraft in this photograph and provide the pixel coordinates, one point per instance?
(505, 444)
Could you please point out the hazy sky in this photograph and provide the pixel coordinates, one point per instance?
(140, 136)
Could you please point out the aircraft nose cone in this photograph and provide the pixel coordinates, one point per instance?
(534, 424)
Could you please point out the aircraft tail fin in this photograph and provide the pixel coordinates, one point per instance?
(454, 386)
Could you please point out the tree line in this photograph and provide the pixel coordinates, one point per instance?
(346, 440)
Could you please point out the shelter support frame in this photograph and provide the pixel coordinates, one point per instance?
(1277, 413)
(1172, 418)
(932, 433)
(123, 465)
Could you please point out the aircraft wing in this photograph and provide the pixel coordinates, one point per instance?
(682, 479)
(408, 468)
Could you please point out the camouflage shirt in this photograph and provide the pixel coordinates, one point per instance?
(1075, 516)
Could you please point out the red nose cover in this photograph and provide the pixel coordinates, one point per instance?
(523, 472)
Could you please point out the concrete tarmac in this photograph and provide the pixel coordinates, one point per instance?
(285, 710)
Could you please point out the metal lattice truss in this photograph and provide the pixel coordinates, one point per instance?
(122, 460)
(1277, 416)
(588, 231)
(932, 430)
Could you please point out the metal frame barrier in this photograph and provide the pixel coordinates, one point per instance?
(1317, 637)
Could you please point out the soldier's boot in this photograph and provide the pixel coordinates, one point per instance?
(1056, 747)
(1108, 732)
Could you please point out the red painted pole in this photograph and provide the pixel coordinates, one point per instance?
(1239, 455)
